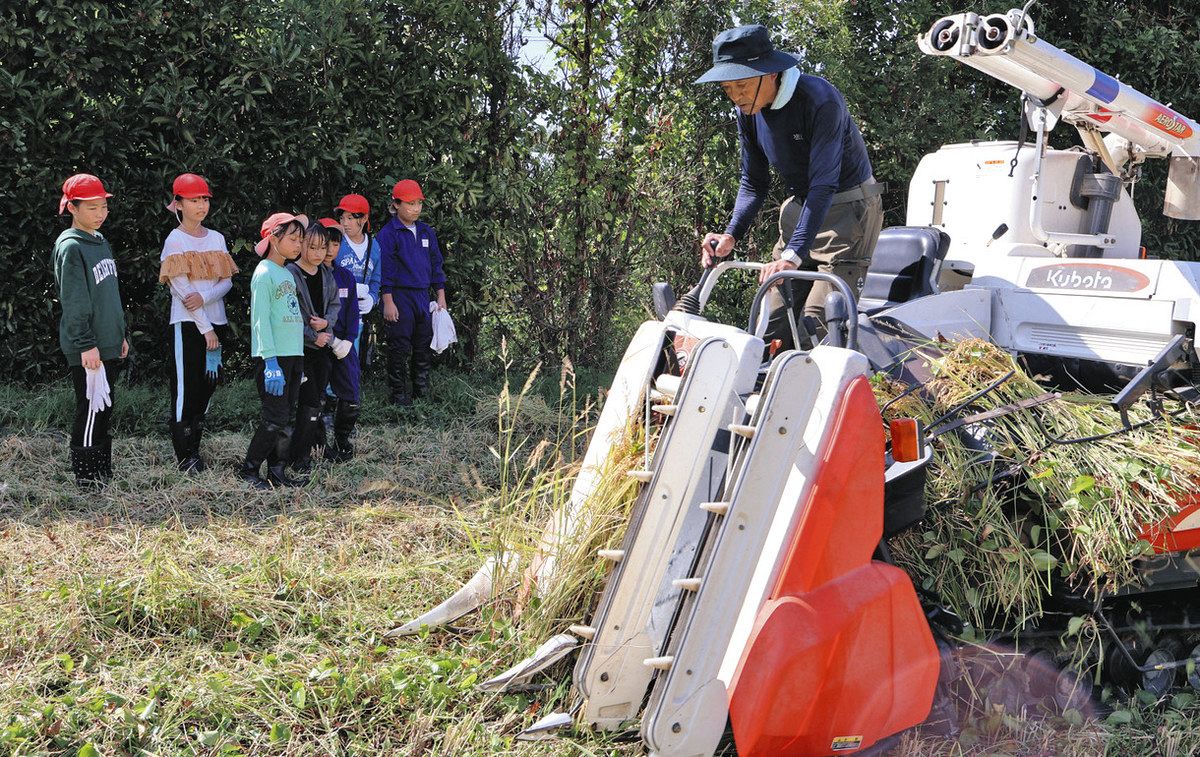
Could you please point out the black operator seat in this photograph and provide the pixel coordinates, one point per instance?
(905, 266)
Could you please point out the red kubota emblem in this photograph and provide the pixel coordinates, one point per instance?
(1169, 122)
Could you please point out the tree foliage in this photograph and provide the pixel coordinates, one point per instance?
(560, 192)
(282, 105)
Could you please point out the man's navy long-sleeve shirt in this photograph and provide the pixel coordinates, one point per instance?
(817, 149)
(409, 260)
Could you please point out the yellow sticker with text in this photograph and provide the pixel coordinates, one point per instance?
(846, 743)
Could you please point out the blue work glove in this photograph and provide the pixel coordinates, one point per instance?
(212, 363)
(273, 377)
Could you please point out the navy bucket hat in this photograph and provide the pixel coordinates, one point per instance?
(743, 53)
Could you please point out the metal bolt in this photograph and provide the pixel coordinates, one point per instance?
(604, 676)
(700, 409)
(676, 728)
(783, 430)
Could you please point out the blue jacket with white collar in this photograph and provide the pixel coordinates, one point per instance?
(812, 142)
(408, 259)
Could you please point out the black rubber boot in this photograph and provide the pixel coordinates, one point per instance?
(308, 422)
(196, 435)
(105, 451)
(422, 361)
(342, 448)
(185, 438)
(262, 444)
(397, 370)
(179, 441)
(277, 474)
(89, 464)
(327, 413)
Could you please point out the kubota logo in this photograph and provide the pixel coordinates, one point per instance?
(1171, 123)
(1089, 277)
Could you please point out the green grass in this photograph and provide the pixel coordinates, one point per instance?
(179, 615)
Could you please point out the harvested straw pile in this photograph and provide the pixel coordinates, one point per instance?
(1033, 517)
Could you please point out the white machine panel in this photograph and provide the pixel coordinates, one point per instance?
(966, 190)
(1081, 327)
(633, 617)
(771, 474)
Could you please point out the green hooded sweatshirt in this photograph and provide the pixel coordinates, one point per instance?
(92, 315)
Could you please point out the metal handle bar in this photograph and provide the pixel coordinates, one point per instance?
(841, 286)
(711, 275)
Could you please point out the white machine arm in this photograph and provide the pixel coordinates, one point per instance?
(1005, 46)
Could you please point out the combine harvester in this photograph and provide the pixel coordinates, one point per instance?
(752, 591)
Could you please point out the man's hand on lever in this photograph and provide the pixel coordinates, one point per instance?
(715, 248)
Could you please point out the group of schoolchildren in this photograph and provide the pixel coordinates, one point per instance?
(313, 285)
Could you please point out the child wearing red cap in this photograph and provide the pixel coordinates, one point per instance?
(196, 266)
(359, 254)
(277, 344)
(411, 264)
(91, 332)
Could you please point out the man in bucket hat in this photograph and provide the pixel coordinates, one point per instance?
(799, 124)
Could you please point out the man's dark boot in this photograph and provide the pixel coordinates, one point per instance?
(422, 361)
(277, 474)
(89, 465)
(397, 370)
(308, 421)
(342, 448)
(262, 444)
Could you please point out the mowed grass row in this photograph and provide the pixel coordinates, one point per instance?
(182, 614)
(178, 614)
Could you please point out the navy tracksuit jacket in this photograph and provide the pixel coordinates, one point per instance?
(411, 265)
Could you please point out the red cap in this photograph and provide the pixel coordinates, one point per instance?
(329, 223)
(354, 204)
(407, 190)
(274, 221)
(188, 186)
(81, 186)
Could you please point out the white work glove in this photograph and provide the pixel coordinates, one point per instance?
(444, 333)
(340, 347)
(99, 396)
(365, 300)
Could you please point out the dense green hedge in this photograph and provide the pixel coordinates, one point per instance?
(282, 105)
(559, 194)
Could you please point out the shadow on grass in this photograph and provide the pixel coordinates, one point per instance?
(434, 455)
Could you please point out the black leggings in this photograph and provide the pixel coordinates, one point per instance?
(317, 364)
(278, 412)
(191, 387)
(92, 429)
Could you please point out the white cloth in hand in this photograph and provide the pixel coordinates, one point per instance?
(444, 333)
(365, 300)
(341, 347)
(99, 396)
